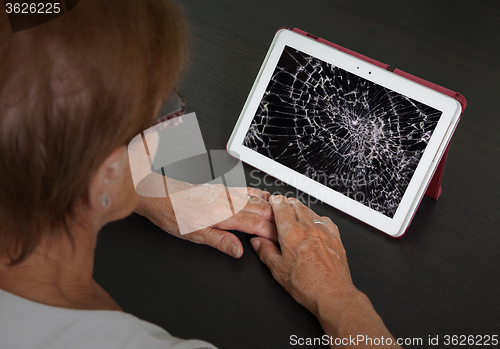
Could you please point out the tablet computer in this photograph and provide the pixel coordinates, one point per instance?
(344, 130)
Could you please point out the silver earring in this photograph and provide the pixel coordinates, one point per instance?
(105, 201)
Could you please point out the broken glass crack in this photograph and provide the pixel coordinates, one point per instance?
(341, 130)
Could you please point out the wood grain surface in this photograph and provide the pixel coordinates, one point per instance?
(441, 278)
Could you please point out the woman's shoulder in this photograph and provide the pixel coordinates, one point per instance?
(26, 324)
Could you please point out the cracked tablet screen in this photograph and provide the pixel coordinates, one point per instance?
(343, 131)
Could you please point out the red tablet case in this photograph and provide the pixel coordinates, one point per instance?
(434, 187)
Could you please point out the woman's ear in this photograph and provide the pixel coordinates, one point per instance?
(104, 180)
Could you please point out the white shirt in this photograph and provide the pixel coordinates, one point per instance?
(25, 324)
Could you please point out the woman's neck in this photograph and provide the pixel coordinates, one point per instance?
(59, 274)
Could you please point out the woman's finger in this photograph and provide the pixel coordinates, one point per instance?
(258, 193)
(332, 227)
(259, 206)
(284, 213)
(250, 223)
(268, 253)
(256, 203)
(222, 240)
(301, 211)
(308, 216)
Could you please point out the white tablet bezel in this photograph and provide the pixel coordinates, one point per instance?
(449, 107)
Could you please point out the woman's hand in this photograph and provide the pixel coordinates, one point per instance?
(205, 213)
(312, 265)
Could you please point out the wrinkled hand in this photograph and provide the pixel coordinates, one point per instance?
(203, 210)
(312, 265)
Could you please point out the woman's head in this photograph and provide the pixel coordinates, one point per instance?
(72, 91)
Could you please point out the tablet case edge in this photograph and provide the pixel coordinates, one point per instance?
(433, 189)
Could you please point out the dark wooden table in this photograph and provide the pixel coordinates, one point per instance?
(441, 278)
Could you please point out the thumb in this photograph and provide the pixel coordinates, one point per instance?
(267, 251)
(224, 241)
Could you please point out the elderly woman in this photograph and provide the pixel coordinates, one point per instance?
(73, 93)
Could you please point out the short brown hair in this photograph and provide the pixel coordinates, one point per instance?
(71, 91)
